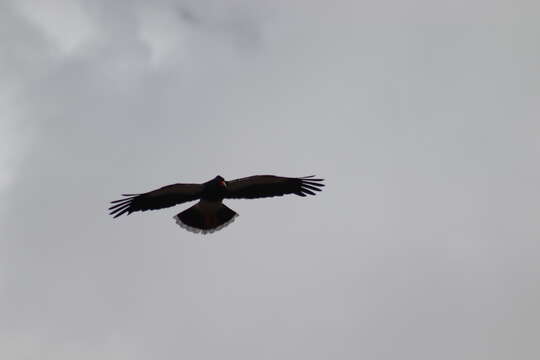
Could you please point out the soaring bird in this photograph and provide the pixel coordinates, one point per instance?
(210, 214)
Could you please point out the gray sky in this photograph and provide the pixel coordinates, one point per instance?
(422, 116)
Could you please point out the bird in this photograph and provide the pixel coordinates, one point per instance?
(210, 214)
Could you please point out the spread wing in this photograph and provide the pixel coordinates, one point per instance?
(164, 197)
(261, 186)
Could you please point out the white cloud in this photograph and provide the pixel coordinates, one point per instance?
(425, 237)
(7, 148)
(65, 22)
(161, 29)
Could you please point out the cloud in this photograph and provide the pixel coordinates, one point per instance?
(421, 117)
(64, 23)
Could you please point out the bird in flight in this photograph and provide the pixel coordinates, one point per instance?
(210, 214)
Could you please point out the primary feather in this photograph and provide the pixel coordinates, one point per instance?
(161, 198)
(261, 186)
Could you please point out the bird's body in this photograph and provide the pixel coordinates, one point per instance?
(210, 214)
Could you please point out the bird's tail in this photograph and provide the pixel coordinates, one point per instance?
(205, 217)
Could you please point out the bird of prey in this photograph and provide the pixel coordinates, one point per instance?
(210, 214)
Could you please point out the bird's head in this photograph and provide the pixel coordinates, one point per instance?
(220, 181)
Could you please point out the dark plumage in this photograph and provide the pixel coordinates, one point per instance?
(209, 214)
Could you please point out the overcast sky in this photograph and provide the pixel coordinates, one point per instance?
(421, 115)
